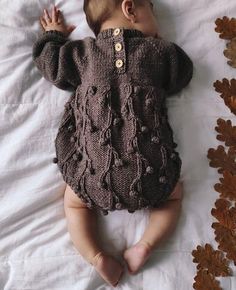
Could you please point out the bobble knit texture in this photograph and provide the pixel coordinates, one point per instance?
(114, 145)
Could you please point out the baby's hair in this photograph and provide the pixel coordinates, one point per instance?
(98, 11)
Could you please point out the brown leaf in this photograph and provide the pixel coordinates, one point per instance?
(212, 260)
(227, 132)
(223, 160)
(227, 187)
(225, 87)
(228, 92)
(226, 239)
(224, 214)
(226, 27)
(230, 52)
(205, 281)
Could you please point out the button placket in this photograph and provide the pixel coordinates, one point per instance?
(119, 49)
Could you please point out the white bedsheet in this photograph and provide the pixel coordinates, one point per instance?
(36, 252)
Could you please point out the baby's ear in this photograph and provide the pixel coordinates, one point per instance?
(128, 9)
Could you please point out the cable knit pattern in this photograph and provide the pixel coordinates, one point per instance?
(114, 145)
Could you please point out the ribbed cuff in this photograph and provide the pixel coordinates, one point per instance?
(53, 35)
(52, 32)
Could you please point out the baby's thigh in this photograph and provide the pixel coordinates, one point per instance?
(71, 199)
(177, 193)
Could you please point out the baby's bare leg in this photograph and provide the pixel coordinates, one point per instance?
(162, 222)
(82, 226)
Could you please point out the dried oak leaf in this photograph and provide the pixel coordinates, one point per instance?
(227, 187)
(223, 160)
(205, 281)
(224, 213)
(213, 260)
(226, 27)
(228, 92)
(230, 52)
(227, 132)
(226, 239)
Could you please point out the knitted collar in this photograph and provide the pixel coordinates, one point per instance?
(106, 33)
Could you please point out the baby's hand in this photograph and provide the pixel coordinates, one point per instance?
(55, 22)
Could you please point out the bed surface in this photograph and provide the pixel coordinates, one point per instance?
(36, 252)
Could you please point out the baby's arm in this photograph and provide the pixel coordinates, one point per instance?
(56, 56)
(178, 69)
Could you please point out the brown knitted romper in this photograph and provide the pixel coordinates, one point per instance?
(114, 145)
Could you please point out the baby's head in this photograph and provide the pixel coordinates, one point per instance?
(130, 14)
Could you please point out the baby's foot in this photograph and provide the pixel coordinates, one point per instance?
(136, 256)
(108, 268)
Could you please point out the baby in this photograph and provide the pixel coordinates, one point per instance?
(115, 146)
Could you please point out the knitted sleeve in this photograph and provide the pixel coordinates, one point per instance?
(178, 69)
(57, 58)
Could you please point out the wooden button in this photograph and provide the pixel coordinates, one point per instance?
(119, 63)
(116, 31)
(118, 46)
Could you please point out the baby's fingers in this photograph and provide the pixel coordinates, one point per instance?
(60, 17)
(54, 14)
(43, 22)
(46, 15)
